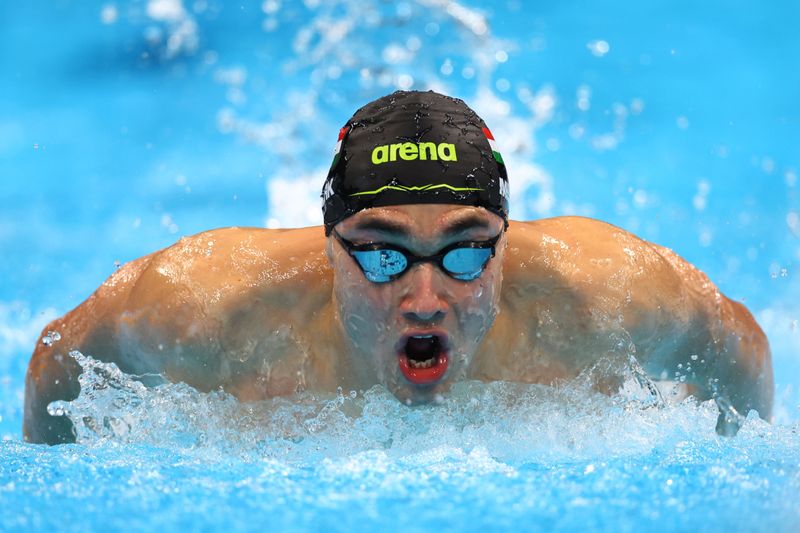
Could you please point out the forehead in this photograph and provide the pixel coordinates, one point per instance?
(423, 221)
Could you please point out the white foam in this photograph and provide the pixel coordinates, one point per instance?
(490, 427)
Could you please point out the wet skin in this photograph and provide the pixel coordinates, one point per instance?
(262, 313)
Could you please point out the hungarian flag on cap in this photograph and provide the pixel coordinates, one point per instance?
(493, 145)
(338, 149)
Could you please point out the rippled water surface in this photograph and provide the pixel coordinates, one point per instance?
(489, 456)
(126, 124)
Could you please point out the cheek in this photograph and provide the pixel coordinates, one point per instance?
(479, 304)
(363, 307)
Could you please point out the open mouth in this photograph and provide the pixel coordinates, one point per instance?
(423, 358)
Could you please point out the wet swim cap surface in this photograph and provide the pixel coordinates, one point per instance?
(414, 148)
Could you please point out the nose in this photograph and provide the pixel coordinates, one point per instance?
(423, 300)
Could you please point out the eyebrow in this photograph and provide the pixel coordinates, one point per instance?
(398, 229)
(389, 227)
(471, 221)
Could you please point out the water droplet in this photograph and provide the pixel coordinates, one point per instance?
(51, 337)
(598, 48)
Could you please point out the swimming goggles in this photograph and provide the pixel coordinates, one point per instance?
(383, 262)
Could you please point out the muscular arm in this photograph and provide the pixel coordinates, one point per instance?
(732, 360)
(125, 321)
(209, 311)
(53, 375)
(687, 329)
(588, 278)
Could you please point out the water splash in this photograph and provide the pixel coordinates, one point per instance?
(511, 423)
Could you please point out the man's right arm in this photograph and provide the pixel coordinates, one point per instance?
(199, 312)
(151, 316)
(52, 374)
(156, 315)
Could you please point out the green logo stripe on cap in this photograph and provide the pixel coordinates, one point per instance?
(428, 187)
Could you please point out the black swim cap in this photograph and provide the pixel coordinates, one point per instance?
(413, 147)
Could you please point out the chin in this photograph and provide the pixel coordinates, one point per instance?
(415, 394)
(419, 394)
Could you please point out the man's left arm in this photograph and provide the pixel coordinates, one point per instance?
(724, 355)
(744, 367)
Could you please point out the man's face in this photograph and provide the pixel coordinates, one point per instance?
(418, 333)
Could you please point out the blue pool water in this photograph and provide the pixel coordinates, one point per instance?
(124, 125)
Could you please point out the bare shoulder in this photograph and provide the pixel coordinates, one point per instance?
(188, 309)
(212, 298)
(580, 251)
(217, 265)
(594, 269)
(591, 253)
(187, 312)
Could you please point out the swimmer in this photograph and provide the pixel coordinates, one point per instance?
(418, 279)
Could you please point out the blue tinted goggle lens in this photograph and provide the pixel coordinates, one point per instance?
(383, 265)
(466, 263)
